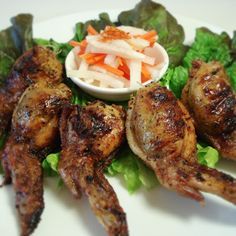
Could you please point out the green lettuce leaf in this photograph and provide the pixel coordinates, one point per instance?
(2, 142)
(209, 46)
(175, 79)
(207, 155)
(14, 41)
(231, 71)
(17, 38)
(22, 25)
(6, 63)
(50, 167)
(233, 45)
(50, 164)
(151, 15)
(133, 171)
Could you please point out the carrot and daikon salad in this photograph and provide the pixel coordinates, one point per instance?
(116, 57)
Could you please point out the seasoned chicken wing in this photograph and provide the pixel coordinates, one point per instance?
(34, 132)
(90, 137)
(35, 64)
(212, 103)
(161, 132)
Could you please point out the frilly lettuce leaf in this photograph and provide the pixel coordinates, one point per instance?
(2, 142)
(209, 46)
(207, 155)
(231, 71)
(50, 164)
(151, 15)
(134, 172)
(50, 167)
(126, 164)
(175, 79)
(14, 41)
(6, 63)
(233, 45)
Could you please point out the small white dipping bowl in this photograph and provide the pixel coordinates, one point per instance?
(115, 94)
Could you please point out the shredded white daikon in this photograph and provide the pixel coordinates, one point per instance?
(135, 74)
(117, 62)
(111, 60)
(138, 43)
(113, 49)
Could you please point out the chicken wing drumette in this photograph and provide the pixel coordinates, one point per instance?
(35, 64)
(34, 132)
(212, 103)
(161, 132)
(90, 137)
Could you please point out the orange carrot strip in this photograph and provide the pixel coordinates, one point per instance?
(149, 34)
(87, 55)
(83, 43)
(124, 67)
(152, 41)
(92, 58)
(82, 50)
(96, 59)
(74, 43)
(111, 69)
(120, 62)
(91, 30)
(145, 74)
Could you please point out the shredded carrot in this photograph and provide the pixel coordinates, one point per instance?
(83, 43)
(112, 33)
(124, 67)
(91, 30)
(74, 43)
(83, 46)
(120, 61)
(110, 69)
(145, 74)
(149, 34)
(92, 58)
(152, 41)
(96, 59)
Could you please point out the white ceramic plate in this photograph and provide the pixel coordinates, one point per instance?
(156, 212)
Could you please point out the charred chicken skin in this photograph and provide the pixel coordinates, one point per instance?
(90, 137)
(35, 64)
(212, 103)
(161, 132)
(33, 132)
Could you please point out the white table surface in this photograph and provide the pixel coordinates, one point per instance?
(217, 12)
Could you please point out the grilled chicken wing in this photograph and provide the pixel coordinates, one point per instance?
(212, 104)
(34, 131)
(161, 132)
(90, 136)
(35, 64)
